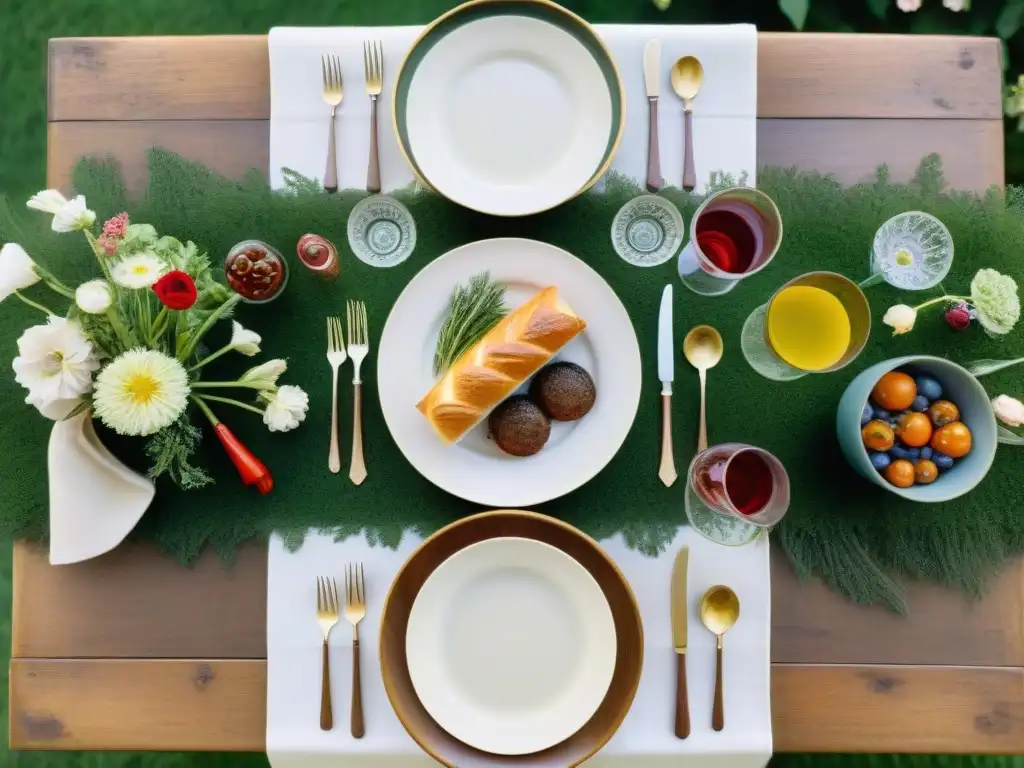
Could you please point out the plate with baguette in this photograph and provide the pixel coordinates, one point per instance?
(522, 401)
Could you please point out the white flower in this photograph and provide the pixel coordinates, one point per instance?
(287, 409)
(72, 216)
(901, 318)
(243, 340)
(139, 271)
(1009, 410)
(265, 374)
(55, 362)
(907, 6)
(141, 392)
(17, 270)
(93, 297)
(957, 5)
(48, 201)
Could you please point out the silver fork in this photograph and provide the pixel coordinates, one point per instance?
(358, 348)
(331, 69)
(355, 610)
(326, 617)
(373, 61)
(336, 357)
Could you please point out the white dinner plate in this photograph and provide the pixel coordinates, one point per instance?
(509, 114)
(475, 468)
(511, 645)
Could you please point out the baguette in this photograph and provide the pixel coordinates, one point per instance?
(492, 369)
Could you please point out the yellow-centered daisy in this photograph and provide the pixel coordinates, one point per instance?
(141, 392)
(138, 271)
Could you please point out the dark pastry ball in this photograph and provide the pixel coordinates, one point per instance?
(519, 427)
(564, 391)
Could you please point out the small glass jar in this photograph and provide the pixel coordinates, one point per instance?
(256, 271)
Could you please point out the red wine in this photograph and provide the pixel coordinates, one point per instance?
(731, 237)
(749, 482)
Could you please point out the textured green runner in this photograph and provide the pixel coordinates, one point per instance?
(862, 540)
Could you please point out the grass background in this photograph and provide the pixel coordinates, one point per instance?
(25, 26)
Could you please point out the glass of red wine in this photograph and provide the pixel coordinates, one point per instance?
(741, 481)
(734, 233)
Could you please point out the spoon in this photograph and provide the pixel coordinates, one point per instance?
(687, 76)
(703, 349)
(719, 610)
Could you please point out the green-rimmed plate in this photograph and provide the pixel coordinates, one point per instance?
(508, 107)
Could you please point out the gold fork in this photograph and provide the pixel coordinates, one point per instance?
(326, 617)
(331, 69)
(335, 357)
(358, 349)
(373, 60)
(355, 609)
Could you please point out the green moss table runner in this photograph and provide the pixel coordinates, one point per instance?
(862, 540)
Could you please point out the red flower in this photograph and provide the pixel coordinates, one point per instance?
(176, 290)
(251, 469)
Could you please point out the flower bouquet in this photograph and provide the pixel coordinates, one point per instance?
(129, 349)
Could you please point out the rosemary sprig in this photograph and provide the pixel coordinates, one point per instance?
(475, 308)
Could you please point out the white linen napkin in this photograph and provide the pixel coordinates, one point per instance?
(724, 112)
(645, 739)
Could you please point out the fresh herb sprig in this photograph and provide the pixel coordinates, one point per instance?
(475, 308)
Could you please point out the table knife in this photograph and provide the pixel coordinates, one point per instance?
(666, 372)
(679, 616)
(652, 82)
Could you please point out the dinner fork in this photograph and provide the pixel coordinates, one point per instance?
(358, 348)
(373, 60)
(331, 69)
(326, 617)
(355, 609)
(336, 357)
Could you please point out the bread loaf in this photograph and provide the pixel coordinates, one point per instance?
(492, 369)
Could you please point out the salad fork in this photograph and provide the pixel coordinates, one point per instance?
(358, 349)
(355, 610)
(373, 60)
(336, 357)
(326, 617)
(331, 69)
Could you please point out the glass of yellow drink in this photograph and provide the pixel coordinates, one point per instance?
(815, 323)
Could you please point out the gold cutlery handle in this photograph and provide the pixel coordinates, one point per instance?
(702, 435)
(654, 179)
(357, 471)
(718, 714)
(667, 471)
(334, 458)
(331, 171)
(326, 712)
(373, 172)
(689, 172)
(682, 698)
(358, 728)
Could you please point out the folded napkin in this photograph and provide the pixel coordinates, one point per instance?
(645, 739)
(724, 112)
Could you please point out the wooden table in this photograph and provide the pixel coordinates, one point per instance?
(132, 651)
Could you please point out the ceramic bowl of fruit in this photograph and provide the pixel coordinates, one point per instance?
(921, 427)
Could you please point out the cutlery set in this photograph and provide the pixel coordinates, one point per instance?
(337, 354)
(687, 76)
(328, 612)
(333, 92)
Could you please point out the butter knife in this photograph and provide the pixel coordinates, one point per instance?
(679, 616)
(666, 372)
(652, 82)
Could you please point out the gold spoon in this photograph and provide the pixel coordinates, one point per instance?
(687, 76)
(703, 349)
(719, 610)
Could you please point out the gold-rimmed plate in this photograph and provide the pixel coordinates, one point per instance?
(508, 107)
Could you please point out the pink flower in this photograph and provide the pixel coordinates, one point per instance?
(908, 6)
(117, 226)
(107, 243)
(1009, 410)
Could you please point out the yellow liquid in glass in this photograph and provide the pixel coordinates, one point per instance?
(808, 327)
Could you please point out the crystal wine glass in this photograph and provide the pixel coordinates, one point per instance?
(912, 251)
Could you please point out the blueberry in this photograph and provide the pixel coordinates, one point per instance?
(921, 404)
(880, 460)
(926, 452)
(883, 415)
(928, 387)
(913, 454)
(866, 415)
(942, 461)
(899, 452)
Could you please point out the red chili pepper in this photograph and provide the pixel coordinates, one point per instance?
(251, 469)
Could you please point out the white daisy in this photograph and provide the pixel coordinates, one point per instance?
(17, 270)
(48, 201)
(93, 297)
(141, 392)
(55, 362)
(286, 408)
(73, 215)
(139, 271)
(265, 374)
(243, 340)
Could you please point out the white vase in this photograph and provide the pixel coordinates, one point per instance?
(95, 500)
